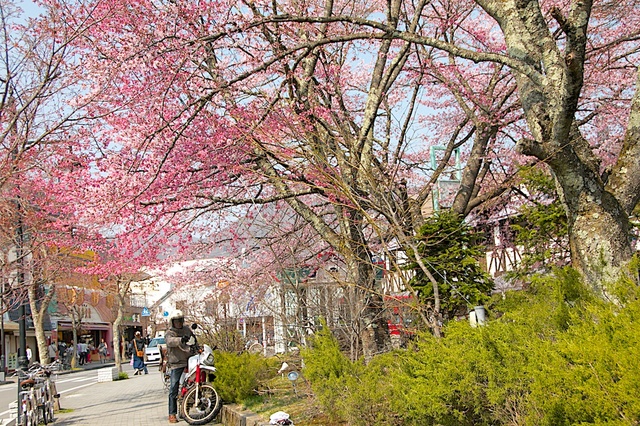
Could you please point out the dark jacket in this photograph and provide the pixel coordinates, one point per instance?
(139, 346)
(177, 352)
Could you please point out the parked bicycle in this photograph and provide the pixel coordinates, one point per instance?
(37, 394)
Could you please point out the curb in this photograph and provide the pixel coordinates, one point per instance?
(234, 415)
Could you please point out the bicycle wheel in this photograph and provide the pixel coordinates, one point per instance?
(33, 415)
(42, 414)
(26, 412)
(255, 349)
(51, 409)
(204, 409)
(30, 415)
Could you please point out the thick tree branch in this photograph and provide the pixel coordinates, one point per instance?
(624, 180)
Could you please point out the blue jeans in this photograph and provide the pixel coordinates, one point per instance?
(173, 390)
(138, 364)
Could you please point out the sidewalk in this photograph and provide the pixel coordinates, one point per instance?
(136, 401)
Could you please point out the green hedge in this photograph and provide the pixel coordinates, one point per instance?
(551, 355)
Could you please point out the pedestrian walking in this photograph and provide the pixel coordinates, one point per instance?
(179, 339)
(102, 351)
(90, 349)
(138, 355)
(29, 354)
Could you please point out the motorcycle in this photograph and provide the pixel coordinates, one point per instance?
(198, 401)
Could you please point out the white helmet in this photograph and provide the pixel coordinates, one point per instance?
(177, 314)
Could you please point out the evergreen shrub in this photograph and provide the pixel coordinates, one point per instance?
(238, 376)
(328, 370)
(551, 355)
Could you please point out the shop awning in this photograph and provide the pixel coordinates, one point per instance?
(67, 325)
(10, 326)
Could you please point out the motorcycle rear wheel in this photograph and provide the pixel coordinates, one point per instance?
(205, 409)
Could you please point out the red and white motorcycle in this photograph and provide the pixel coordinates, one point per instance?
(198, 401)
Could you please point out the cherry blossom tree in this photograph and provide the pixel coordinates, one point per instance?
(210, 109)
(38, 106)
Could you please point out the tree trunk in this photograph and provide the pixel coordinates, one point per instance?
(117, 356)
(476, 161)
(374, 330)
(598, 227)
(550, 81)
(122, 287)
(37, 314)
(75, 324)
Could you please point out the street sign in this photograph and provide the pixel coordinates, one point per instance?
(145, 312)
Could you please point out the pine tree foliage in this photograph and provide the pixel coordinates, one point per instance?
(541, 227)
(450, 248)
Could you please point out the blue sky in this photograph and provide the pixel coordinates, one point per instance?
(30, 8)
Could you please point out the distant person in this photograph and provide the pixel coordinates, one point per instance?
(102, 351)
(82, 352)
(179, 340)
(90, 349)
(52, 349)
(70, 353)
(138, 354)
(29, 354)
(62, 353)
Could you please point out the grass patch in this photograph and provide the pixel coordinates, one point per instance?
(278, 394)
(122, 376)
(65, 410)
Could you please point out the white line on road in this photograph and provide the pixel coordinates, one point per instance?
(77, 387)
(76, 379)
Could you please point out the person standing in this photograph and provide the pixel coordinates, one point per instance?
(52, 351)
(138, 355)
(62, 353)
(179, 340)
(102, 351)
(29, 355)
(82, 352)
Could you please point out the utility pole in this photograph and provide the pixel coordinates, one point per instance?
(23, 362)
(3, 356)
